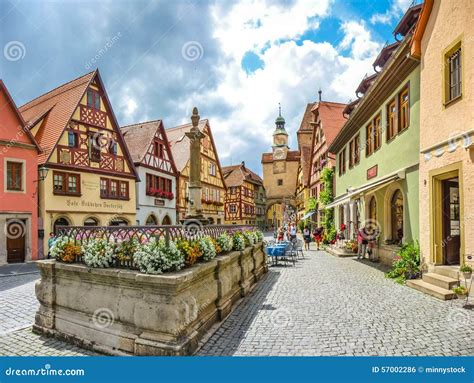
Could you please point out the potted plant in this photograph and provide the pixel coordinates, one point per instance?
(466, 270)
(460, 292)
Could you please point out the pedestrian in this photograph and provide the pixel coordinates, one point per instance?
(362, 240)
(51, 240)
(317, 234)
(281, 233)
(292, 232)
(306, 237)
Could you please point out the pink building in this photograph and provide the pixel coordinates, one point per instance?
(18, 185)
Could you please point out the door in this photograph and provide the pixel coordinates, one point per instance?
(451, 222)
(16, 234)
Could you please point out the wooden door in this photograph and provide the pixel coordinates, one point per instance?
(451, 222)
(15, 241)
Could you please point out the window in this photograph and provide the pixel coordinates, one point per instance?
(351, 154)
(233, 208)
(404, 114)
(212, 168)
(454, 74)
(357, 149)
(159, 149)
(391, 122)
(91, 222)
(369, 134)
(66, 183)
(114, 189)
(342, 161)
(377, 127)
(396, 210)
(233, 190)
(93, 99)
(72, 138)
(280, 182)
(113, 147)
(94, 147)
(14, 176)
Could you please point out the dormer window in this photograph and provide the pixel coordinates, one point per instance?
(93, 99)
(159, 149)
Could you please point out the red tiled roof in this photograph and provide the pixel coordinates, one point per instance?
(307, 118)
(331, 117)
(235, 175)
(138, 138)
(11, 104)
(57, 107)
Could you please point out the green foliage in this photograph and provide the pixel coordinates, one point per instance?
(326, 197)
(407, 263)
(312, 204)
(466, 268)
(460, 290)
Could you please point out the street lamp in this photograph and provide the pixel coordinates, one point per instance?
(43, 173)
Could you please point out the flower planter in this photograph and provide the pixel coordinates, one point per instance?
(124, 312)
(467, 275)
(461, 296)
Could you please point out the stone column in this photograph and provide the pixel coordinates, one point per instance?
(195, 190)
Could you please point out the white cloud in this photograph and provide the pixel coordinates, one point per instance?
(397, 8)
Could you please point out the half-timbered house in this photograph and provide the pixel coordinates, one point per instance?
(242, 188)
(156, 193)
(91, 177)
(213, 187)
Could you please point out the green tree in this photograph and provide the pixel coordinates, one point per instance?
(326, 197)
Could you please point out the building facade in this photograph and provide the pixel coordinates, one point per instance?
(327, 121)
(377, 152)
(156, 193)
(280, 169)
(91, 177)
(18, 185)
(444, 42)
(261, 206)
(213, 186)
(242, 187)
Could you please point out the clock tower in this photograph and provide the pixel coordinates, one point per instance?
(280, 138)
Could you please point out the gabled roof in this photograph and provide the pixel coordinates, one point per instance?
(350, 107)
(365, 83)
(408, 20)
(332, 119)
(139, 137)
(57, 108)
(235, 175)
(21, 122)
(180, 144)
(385, 54)
(307, 118)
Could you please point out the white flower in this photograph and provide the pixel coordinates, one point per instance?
(225, 242)
(99, 252)
(207, 248)
(154, 257)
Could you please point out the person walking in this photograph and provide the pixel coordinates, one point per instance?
(317, 234)
(51, 240)
(306, 237)
(362, 240)
(293, 232)
(281, 233)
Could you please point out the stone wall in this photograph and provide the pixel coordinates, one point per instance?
(123, 312)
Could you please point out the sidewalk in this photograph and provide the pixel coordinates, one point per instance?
(12, 269)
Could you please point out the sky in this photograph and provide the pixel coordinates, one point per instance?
(234, 60)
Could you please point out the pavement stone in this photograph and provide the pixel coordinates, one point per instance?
(322, 306)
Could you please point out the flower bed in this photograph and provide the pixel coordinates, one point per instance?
(123, 311)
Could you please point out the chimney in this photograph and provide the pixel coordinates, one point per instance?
(320, 92)
(243, 165)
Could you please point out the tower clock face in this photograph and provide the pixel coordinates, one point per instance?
(279, 154)
(280, 140)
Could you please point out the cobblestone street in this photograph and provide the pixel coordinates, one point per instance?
(322, 306)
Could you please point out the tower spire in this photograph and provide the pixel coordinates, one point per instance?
(279, 109)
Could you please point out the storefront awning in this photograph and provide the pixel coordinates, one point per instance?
(307, 215)
(371, 186)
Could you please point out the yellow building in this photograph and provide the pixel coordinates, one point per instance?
(91, 178)
(444, 42)
(280, 169)
(213, 189)
(242, 186)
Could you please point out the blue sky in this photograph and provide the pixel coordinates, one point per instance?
(235, 60)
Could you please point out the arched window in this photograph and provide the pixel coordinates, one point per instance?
(166, 220)
(151, 220)
(119, 222)
(373, 209)
(91, 222)
(396, 214)
(60, 222)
